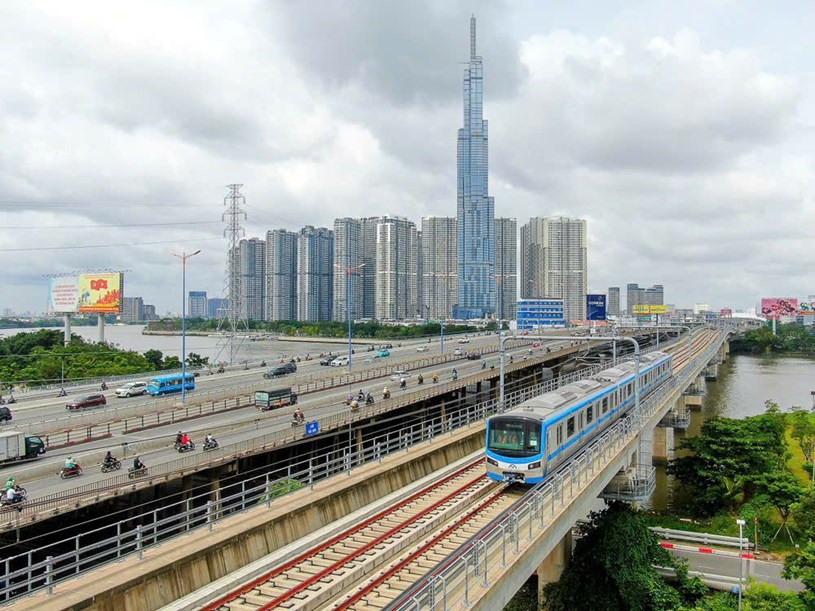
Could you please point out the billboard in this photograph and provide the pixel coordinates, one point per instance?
(595, 307)
(778, 307)
(643, 309)
(87, 293)
(726, 312)
(806, 307)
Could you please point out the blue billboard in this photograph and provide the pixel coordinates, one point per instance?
(595, 307)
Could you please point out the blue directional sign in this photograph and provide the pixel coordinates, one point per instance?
(312, 428)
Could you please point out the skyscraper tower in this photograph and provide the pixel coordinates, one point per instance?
(476, 209)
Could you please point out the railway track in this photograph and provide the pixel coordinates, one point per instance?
(318, 576)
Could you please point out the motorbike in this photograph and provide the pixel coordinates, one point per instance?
(103, 386)
(185, 447)
(62, 393)
(297, 420)
(354, 404)
(107, 467)
(65, 473)
(210, 445)
(20, 495)
(133, 473)
(420, 380)
(369, 400)
(386, 394)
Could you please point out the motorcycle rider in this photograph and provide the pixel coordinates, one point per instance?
(402, 382)
(298, 416)
(109, 458)
(12, 496)
(179, 436)
(209, 440)
(10, 483)
(483, 364)
(386, 394)
(103, 386)
(138, 465)
(62, 393)
(369, 399)
(420, 379)
(70, 465)
(185, 440)
(455, 374)
(435, 377)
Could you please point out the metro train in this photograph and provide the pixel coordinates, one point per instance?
(531, 440)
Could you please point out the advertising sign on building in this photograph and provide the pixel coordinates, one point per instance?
(87, 293)
(642, 309)
(778, 307)
(806, 308)
(726, 313)
(659, 309)
(595, 307)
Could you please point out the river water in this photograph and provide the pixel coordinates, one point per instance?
(744, 384)
(129, 337)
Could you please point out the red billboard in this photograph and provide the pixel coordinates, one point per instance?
(725, 313)
(778, 307)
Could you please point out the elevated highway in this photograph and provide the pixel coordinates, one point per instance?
(431, 428)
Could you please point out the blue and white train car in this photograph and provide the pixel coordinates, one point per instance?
(531, 440)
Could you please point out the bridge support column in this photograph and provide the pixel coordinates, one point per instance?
(550, 570)
(663, 445)
(360, 458)
(443, 414)
(478, 387)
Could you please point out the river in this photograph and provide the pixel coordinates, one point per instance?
(129, 337)
(745, 382)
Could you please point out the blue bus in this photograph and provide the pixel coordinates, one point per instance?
(162, 385)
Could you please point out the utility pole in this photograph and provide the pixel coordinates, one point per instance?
(230, 319)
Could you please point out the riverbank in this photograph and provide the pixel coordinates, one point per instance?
(145, 331)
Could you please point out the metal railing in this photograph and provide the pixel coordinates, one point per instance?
(42, 567)
(454, 583)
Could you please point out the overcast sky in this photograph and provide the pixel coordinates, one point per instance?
(682, 131)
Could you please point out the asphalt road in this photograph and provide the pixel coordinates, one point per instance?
(728, 565)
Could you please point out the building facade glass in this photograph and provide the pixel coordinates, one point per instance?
(475, 208)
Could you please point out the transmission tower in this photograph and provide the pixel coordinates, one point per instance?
(232, 325)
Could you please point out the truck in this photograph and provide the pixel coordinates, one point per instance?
(270, 399)
(15, 445)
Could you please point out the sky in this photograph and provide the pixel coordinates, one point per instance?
(681, 131)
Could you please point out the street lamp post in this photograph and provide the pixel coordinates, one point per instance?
(741, 524)
(348, 270)
(184, 256)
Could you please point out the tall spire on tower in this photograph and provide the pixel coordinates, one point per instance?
(472, 37)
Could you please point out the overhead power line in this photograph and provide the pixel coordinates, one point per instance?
(112, 226)
(117, 244)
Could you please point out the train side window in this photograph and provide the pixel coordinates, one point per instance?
(605, 404)
(570, 427)
(589, 414)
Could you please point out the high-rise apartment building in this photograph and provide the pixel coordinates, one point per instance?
(149, 312)
(439, 267)
(396, 269)
(475, 208)
(368, 233)
(655, 295)
(315, 273)
(348, 268)
(613, 301)
(506, 267)
(216, 306)
(281, 275)
(252, 265)
(554, 262)
(132, 309)
(197, 304)
(632, 297)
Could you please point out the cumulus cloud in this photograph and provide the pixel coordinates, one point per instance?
(683, 150)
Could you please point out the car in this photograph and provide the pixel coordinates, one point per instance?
(399, 374)
(422, 349)
(340, 361)
(464, 340)
(5, 413)
(386, 346)
(473, 356)
(131, 389)
(280, 370)
(383, 353)
(87, 401)
(458, 352)
(327, 360)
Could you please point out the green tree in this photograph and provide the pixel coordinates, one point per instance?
(803, 512)
(196, 360)
(801, 565)
(783, 490)
(171, 362)
(803, 430)
(729, 448)
(613, 568)
(155, 358)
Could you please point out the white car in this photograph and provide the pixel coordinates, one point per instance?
(422, 349)
(464, 340)
(131, 389)
(340, 361)
(458, 352)
(398, 375)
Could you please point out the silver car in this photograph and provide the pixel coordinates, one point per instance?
(132, 389)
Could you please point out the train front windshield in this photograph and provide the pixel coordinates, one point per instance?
(514, 438)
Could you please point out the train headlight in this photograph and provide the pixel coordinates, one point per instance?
(534, 465)
(492, 461)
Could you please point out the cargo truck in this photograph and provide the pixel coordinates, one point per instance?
(15, 445)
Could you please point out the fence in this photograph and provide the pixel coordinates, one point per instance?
(42, 567)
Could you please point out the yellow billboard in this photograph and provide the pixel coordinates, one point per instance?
(642, 309)
(659, 309)
(100, 293)
(645, 309)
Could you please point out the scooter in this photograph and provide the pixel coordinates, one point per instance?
(107, 467)
(65, 473)
(185, 447)
(133, 473)
(210, 445)
(297, 420)
(20, 495)
(369, 400)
